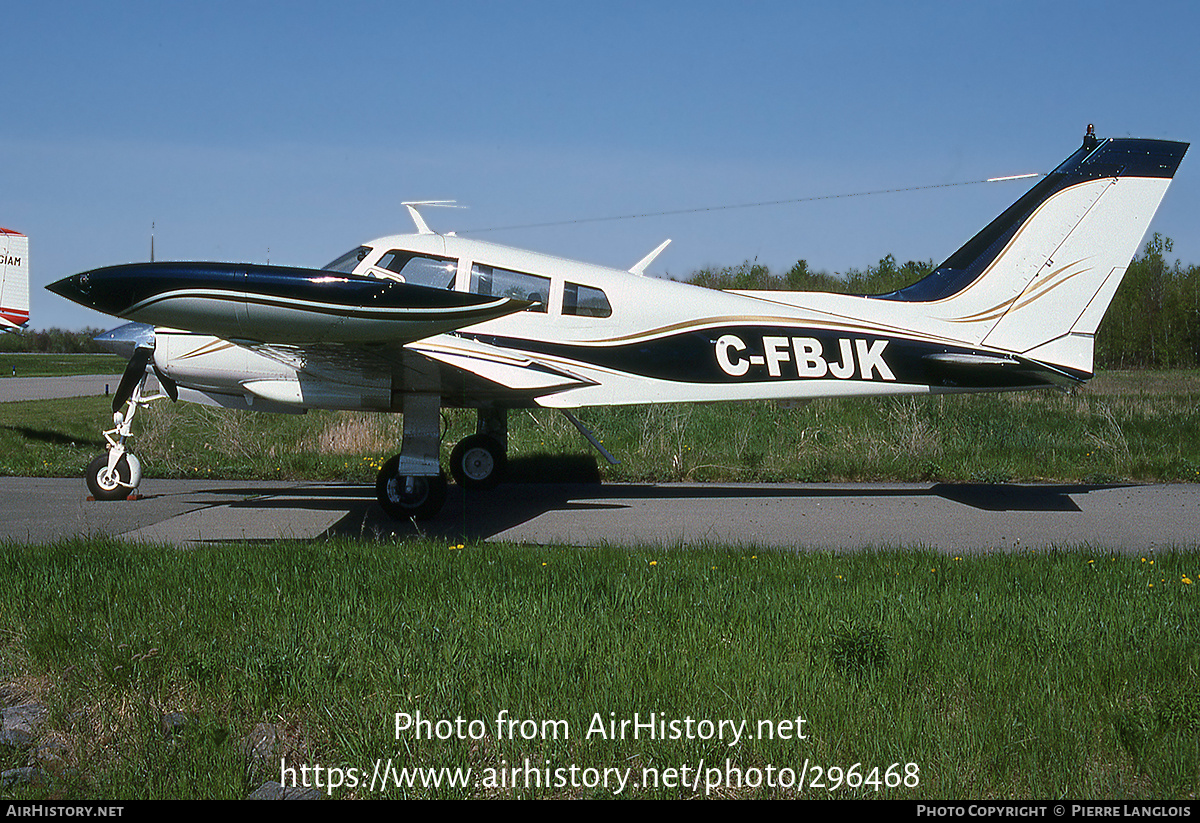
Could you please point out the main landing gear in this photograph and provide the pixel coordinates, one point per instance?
(404, 496)
(478, 462)
(412, 485)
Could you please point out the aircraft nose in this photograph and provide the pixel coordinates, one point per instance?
(74, 288)
(103, 290)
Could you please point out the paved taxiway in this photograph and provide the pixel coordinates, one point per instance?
(53, 388)
(945, 517)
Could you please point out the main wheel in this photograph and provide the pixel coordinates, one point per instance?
(405, 496)
(106, 485)
(477, 462)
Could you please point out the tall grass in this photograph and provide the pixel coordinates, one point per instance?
(1135, 426)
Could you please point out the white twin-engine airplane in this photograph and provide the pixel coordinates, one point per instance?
(412, 323)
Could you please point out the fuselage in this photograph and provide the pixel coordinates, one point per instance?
(610, 337)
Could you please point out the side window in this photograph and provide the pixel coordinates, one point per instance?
(584, 301)
(420, 270)
(488, 280)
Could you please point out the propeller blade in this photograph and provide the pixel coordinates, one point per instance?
(133, 373)
(169, 385)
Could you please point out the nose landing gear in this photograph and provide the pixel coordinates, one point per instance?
(117, 474)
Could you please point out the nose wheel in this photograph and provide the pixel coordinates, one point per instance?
(112, 484)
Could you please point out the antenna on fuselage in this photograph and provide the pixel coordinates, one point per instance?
(639, 267)
(151, 241)
(422, 226)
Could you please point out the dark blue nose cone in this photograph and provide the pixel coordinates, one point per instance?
(106, 290)
(119, 290)
(74, 288)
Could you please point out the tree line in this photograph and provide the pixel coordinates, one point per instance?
(1153, 322)
(52, 341)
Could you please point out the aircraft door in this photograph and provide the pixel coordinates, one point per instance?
(462, 279)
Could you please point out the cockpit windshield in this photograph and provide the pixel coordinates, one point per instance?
(348, 261)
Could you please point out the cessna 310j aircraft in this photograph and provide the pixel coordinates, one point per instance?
(412, 323)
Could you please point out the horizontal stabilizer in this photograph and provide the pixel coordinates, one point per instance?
(1000, 371)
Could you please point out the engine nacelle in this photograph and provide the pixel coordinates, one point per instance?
(238, 377)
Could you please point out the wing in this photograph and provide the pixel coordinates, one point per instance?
(463, 372)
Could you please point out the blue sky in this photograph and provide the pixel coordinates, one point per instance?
(293, 131)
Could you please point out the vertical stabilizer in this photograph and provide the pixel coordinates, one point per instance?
(14, 279)
(1038, 279)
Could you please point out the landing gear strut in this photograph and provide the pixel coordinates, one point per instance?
(411, 484)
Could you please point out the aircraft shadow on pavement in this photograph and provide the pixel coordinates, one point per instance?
(572, 485)
(480, 515)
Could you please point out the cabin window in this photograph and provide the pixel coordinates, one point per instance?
(349, 261)
(584, 301)
(494, 282)
(420, 269)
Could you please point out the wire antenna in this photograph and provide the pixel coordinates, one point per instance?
(761, 204)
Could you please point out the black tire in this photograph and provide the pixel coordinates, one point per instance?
(104, 486)
(478, 462)
(405, 497)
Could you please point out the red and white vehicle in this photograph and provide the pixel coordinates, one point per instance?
(14, 279)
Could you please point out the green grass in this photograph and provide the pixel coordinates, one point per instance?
(1037, 675)
(1005, 676)
(56, 365)
(1142, 426)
